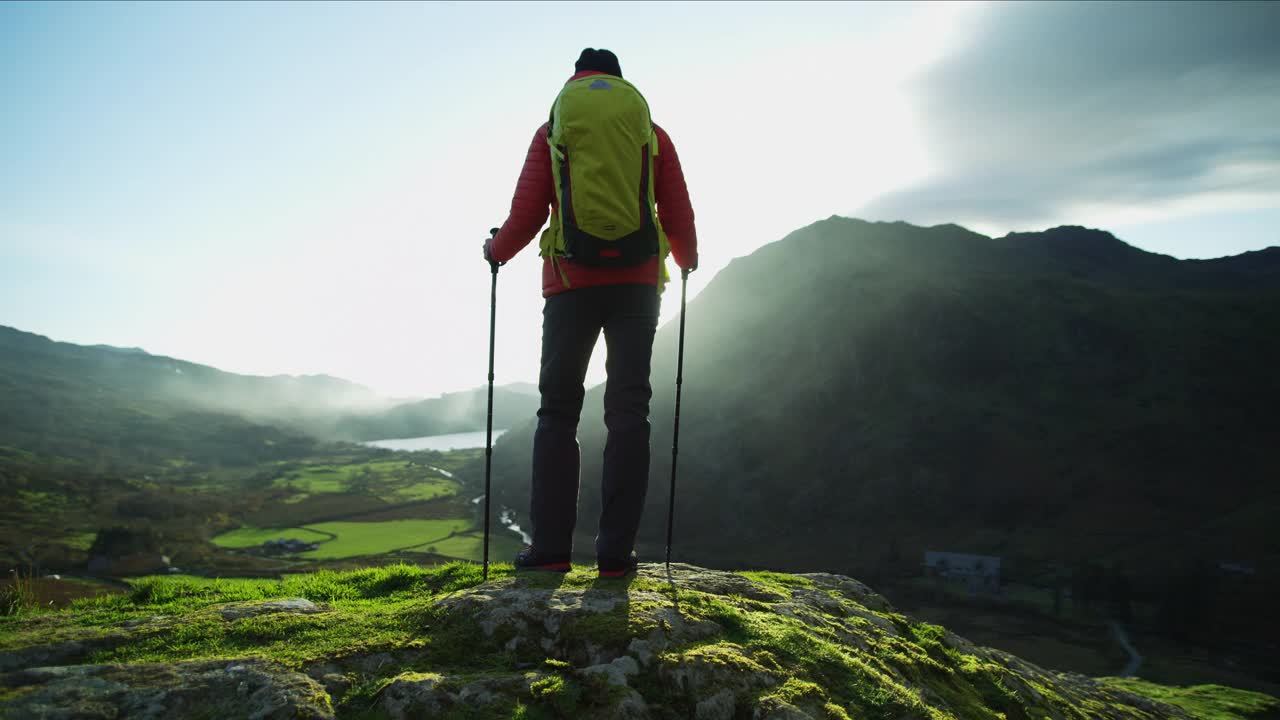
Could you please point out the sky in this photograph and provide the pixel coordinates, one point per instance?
(303, 188)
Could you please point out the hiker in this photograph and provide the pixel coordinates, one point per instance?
(603, 270)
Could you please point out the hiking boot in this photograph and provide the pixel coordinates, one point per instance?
(530, 559)
(615, 568)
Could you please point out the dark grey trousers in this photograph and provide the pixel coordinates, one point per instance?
(571, 323)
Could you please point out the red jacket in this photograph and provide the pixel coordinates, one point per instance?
(535, 196)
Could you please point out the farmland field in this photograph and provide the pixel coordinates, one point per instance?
(253, 537)
(503, 546)
(428, 489)
(391, 481)
(375, 538)
(339, 540)
(80, 541)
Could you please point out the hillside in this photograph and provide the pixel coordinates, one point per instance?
(450, 413)
(117, 462)
(407, 642)
(857, 393)
(66, 399)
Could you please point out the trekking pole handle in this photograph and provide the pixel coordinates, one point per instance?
(493, 266)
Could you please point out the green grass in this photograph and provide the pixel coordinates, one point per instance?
(392, 481)
(776, 580)
(373, 609)
(455, 461)
(470, 546)
(395, 609)
(363, 538)
(426, 489)
(370, 610)
(253, 537)
(39, 502)
(18, 595)
(80, 541)
(316, 479)
(375, 538)
(1208, 702)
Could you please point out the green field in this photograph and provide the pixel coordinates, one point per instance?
(80, 541)
(253, 537)
(40, 502)
(376, 538)
(428, 489)
(503, 546)
(392, 481)
(451, 538)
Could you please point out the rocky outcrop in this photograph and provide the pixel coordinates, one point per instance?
(696, 643)
(155, 691)
(714, 645)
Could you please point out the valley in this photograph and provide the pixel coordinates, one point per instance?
(347, 505)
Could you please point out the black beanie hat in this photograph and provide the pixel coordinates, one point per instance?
(599, 60)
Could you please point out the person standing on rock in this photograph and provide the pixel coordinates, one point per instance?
(618, 204)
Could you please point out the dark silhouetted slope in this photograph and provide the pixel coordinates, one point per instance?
(857, 392)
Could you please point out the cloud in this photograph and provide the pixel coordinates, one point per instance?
(1054, 106)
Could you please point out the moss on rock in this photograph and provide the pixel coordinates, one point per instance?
(407, 642)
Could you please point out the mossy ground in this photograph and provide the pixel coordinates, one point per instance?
(778, 639)
(819, 667)
(1208, 702)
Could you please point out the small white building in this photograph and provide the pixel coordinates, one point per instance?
(979, 573)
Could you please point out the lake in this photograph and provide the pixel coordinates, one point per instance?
(454, 441)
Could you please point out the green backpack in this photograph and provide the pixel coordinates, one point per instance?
(602, 147)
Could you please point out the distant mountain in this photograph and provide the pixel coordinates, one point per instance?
(163, 379)
(74, 400)
(522, 388)
(450, 413)
(103, 404)
(858, 392)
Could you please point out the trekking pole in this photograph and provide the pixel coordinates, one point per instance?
(675, 436)
(488, 432)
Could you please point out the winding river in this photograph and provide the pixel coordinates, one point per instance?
(507, 518)
(455, 441)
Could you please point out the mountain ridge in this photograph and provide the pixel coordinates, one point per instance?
(68, 382)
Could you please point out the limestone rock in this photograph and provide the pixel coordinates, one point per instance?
(156, 691)
(423, 695)
(777, 709)
(58, 652)
(297, 606)
(719, 706)
(616, 672)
